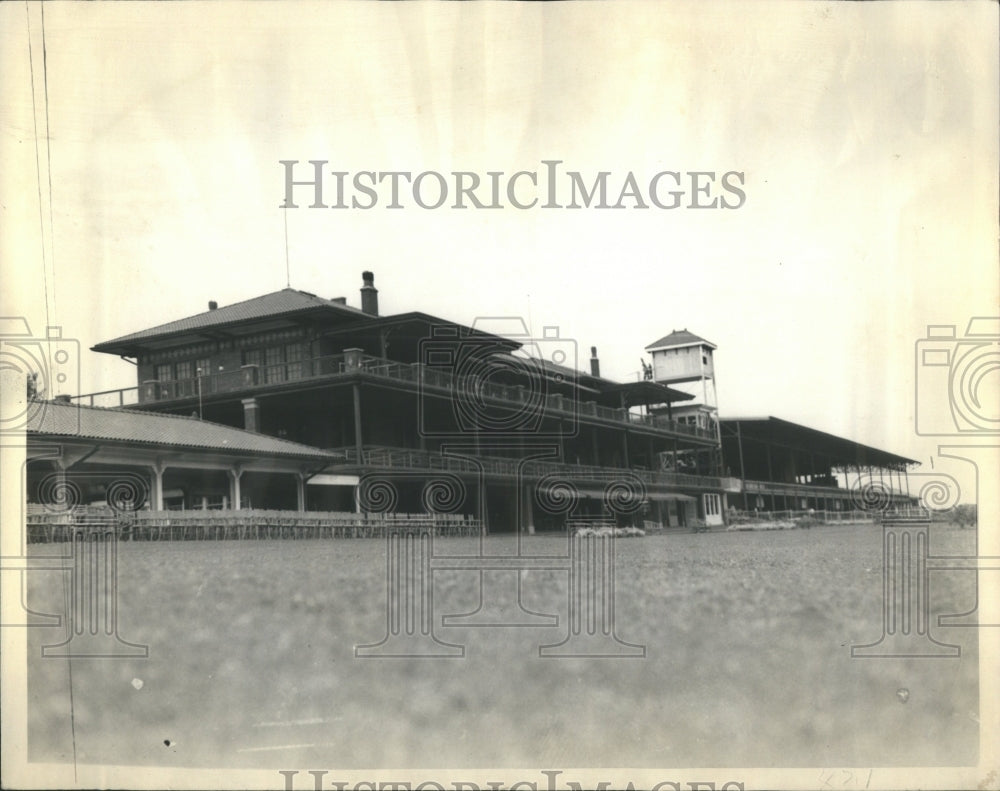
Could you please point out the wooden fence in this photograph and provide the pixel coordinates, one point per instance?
(47, 527)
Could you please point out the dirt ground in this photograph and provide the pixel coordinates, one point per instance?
(747, 661)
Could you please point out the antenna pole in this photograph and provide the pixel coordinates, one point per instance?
(288, 271)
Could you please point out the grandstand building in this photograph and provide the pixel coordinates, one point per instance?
(292, 401)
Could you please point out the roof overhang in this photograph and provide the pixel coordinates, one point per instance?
(840, 450)
(644, 393)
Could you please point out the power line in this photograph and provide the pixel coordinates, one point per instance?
(38, 166)
(48, 159)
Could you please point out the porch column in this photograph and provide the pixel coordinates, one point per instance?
(235, 473)
(300, 490)
(625, 432)
(157, 481)
(358, 445)
(526, 491)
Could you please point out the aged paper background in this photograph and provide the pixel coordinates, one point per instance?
(866, 133)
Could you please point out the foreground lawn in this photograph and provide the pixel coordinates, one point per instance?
(747, 662)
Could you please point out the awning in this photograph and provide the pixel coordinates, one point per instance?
(324, 479)
(670, 496)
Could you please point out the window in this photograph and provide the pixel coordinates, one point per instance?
(164, 372)
(185, 378)
(252, 357)
(294, 355)
(274, 371)
(202, 367)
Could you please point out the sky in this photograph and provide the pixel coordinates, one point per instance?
(866, 135)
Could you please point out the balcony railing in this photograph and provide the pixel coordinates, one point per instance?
(805, 490)
(379, 457)
(125, 396)
(416, 374)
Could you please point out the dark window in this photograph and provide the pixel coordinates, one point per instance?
(295, 354)
(164, 372)
(252, 357)
(274, 371)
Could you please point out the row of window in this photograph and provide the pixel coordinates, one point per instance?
(277, 364)
(184, 370)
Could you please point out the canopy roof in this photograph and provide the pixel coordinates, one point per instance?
(645, 393)
(842, 452)
(147, 429)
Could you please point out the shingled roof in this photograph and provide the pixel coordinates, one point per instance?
(288, 301)
(158, 430)
(678, 338)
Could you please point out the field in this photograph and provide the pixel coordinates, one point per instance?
(251, 662)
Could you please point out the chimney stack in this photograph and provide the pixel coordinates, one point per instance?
(213, 305)
(595, 364)
(369, 294)
(339, 300)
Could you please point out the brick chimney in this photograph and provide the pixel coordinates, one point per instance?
(595, 364)
(369, 294)
(213, 305)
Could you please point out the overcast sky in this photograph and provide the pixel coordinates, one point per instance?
(866, 133)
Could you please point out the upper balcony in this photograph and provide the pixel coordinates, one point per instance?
(415, 376)
(374, 457)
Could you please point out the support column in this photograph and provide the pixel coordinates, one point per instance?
(625, 458)
(525, 493)
(234, 487)
(358, 444)
(743, 474)
(300, 491)
(157, 481)
(251, 415)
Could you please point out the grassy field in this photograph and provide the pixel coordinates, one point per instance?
(747, 662)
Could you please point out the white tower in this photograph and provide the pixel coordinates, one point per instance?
(685, 361)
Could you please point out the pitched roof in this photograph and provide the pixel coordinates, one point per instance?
(678, 338)
(277, 303)
(155, 429)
